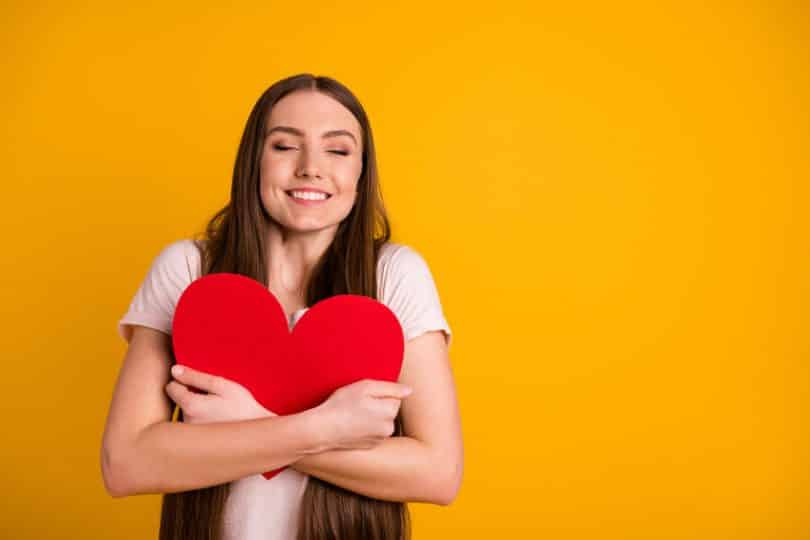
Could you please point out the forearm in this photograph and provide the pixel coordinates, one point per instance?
(397, 469)
(169, 457)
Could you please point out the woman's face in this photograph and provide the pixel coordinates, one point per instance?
(313, 146)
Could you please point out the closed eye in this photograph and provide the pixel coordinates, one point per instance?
(284, 148)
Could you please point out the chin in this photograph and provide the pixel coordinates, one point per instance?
(310, 227)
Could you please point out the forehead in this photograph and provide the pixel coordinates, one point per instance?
(312, 111)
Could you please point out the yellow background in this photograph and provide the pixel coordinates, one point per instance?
(612, 199)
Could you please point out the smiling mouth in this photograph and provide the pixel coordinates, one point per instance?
(308, 196)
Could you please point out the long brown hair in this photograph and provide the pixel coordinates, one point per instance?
(234, 241)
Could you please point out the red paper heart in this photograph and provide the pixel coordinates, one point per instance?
(231, 325)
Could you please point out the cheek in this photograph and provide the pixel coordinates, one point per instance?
(349, 176)
(277, 167)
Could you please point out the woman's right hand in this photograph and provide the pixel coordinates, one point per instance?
(361, 415)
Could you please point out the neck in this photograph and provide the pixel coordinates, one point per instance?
(292, 255)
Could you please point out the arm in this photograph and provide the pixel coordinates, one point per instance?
(168, 457)
(398, 469)
(426, 464)
(144, 452)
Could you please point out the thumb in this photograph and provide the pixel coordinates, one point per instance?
(199, 380)
(389, 389)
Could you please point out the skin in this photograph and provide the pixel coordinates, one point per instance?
(299, 235)
(312, 141)
(426, 464)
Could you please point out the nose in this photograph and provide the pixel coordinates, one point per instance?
(307, 165)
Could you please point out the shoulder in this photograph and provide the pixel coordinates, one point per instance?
(179, 259)
(182, 249)
(405, 284)
(171, 271)
(395, 256)
(402, 272)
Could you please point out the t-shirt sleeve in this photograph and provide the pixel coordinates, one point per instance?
(408, 289)
(154, 302)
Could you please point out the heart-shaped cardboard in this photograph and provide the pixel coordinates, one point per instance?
(231, 325)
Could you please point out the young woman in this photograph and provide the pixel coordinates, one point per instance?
(306, 218)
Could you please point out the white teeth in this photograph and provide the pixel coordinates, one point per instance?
(309, 195)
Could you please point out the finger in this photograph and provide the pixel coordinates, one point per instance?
(388, 389)
(192, 403)
(392, 405)
(212, 384)
(180, 394)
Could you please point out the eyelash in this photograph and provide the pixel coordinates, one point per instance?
(283, 148)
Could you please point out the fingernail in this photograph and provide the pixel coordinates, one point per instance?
(177, 370)
(408, 390)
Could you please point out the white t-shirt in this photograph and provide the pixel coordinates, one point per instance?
(257, 507)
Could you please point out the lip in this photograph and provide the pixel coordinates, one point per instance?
(311, 190)
(305, 202)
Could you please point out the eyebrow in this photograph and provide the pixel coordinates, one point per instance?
(295, 131)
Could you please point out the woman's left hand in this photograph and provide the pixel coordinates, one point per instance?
(226, 401)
